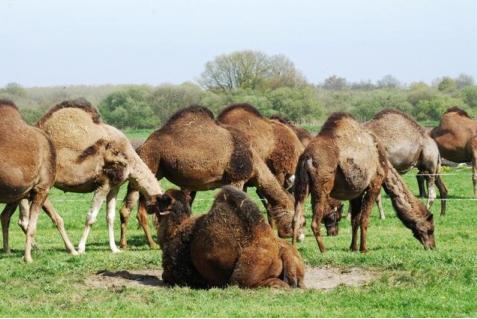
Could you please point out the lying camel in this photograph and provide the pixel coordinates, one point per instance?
(27, 171)
(346, 162)
(456, 137)
(276, 144)
(230, 245)
(408, 145)
(94, 157)
(195, 152)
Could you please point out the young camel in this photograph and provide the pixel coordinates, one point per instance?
(94, 157)
(27, 171)
(408, 145)
(346, 162)
(456, 137)
(195, 152)
(230, 245)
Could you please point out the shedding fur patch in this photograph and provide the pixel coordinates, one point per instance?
(240, 167)
(240, 106)
(92, 150)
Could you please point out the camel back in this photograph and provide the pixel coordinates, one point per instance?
(74, 125)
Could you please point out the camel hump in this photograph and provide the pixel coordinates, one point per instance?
(191, 113)
(458, 110)
(241, 205)
(8, 103)
(79, 104)
(239, 108)
(334, 121)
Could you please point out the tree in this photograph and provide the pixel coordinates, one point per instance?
(447, 84)
(15, 89)
(464, 80)
(129, 108)
(335, 83)
(389, 82)
(249, 70)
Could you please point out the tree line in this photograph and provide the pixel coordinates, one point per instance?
(271, 83)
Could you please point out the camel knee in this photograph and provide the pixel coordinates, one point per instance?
(90, 219)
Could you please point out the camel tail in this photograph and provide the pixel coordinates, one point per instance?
(302, 184)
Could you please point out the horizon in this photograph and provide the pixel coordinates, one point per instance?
(57, 43)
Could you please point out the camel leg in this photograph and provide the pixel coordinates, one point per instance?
(319, 205)
(60, 225)
(128, 203)
(366, 207)
(267, 207)
(36, 204)
(110, 216)
(5, 217)
(431, 190)
(24, 208)
(142, 219)
(355, 208)
(421, 183)
(379, 202)
(443, 193)
(474, 173)
(98, 199)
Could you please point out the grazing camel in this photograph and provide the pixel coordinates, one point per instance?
(346, 162)
(27, 171)
(303, 135)
(277, 145)
(230, 245)
(195, 152)
(408, 145)
(456, 137)
(94, 157)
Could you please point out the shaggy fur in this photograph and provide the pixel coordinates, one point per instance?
(27, 172)
(239, 107)
(230, 245)
(408, 145)
(346, 162)
(303, 135)
(197, 153)
(456, 109)
(79, 103)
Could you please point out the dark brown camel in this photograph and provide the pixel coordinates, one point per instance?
(408, 145)
(230, 245)
(456, 137)
(346, 162)
(195, 152)
(27, 171)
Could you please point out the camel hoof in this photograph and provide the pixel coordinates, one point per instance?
(301, 238)
(28, 259)
(154, 246)
(116, 250)
(81, 250)
(74, 253)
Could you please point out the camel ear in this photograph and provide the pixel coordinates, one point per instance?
(430, 218)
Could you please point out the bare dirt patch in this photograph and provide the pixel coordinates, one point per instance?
(323, 278)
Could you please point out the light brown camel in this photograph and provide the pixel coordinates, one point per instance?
(27, 171)
(94, 157)
(346, 162)
(408, 145)
(195, 152)
(230, 245)
(275, 142)
(456, 137)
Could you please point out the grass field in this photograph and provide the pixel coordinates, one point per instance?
(412, 282)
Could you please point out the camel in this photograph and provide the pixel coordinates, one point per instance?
(94, 157)
(195, 152)
(347, 162)
(456, 137)
(230, 245)
(27, 171)
(303, 135)
(277, 144)
(408, 145)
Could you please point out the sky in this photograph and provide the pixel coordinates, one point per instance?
(66, 42)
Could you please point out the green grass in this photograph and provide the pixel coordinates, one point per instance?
(413, 282)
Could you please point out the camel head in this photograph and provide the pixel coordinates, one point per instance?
(424, 231)
(332, 219)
